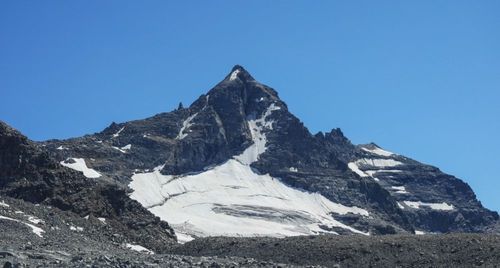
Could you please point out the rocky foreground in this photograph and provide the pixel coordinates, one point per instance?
(450, 250)
(44, 236)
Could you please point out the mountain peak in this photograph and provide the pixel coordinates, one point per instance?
(239, 73)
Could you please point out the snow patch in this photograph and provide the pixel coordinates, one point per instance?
(127, 147)
(138, 248)
(80, 165)
(76, 228)
(399, 189)
(35, 229)
(379, 163)
(435, 206)
(234, 75)
(185, 126)
(118, 132)
(183, 238)
(103, 220)
(61, 148)
(377, 151)
(123, 149)
(3, 204)
(354, 167)
(35, 220)
(293, 169)
(419, 232)
(257, 127)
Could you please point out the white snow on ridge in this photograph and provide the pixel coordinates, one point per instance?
(80, 165)
(233, 200)
(185, 126)
(293, 169)
(373, 165)
(138, 248)
(379, 163)
(435, 206)
(377, 151)
(36, 230)
(234, 75)
(118, 132)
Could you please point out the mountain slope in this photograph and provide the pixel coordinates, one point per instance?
(28, 172)
(238, 163)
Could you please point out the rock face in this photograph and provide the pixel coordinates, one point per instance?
(238, 157)
(29, 173)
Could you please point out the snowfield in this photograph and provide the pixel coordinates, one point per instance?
(233, 200)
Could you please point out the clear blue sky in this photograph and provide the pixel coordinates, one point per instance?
(420, 78)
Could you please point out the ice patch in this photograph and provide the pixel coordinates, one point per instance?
(35, 229)
(435, 206)
(80, 165)
(138, 248)
(185, 126)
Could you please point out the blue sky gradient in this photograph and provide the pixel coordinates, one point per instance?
(419, 78)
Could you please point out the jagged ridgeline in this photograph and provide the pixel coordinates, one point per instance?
(236, 162)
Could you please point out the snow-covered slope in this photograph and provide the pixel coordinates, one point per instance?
(232, 199)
